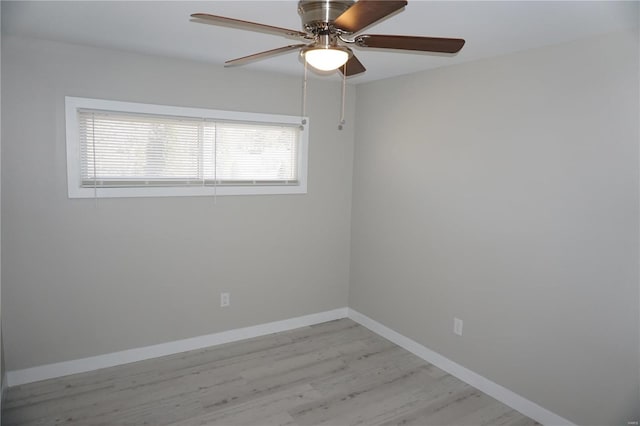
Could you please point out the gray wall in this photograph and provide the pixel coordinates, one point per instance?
(2, 367)
(505, 192)
(81, 280)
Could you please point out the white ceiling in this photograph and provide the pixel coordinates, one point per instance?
(164, 28)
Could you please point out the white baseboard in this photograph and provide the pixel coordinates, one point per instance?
(3, 391)
(50, 371)
(502, 394)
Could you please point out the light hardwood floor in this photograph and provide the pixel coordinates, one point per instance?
(335, 373)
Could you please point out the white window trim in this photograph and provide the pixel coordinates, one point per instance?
(72, 104)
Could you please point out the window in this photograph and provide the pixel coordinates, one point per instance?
(123, 149)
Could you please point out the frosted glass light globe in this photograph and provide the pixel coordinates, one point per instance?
(326, 59)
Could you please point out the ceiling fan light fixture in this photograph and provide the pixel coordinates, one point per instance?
(326, 58)
(328, 25)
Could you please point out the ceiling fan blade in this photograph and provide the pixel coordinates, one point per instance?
(366, 12)
(262, 55)
(353, 67)
(423, 44)
(206, 18)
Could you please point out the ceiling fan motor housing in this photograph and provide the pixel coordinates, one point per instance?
(316, 15)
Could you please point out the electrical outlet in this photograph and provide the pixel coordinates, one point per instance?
(225, 300)
(457, 326)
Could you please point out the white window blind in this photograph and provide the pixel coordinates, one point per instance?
(124, 149)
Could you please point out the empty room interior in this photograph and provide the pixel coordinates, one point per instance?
(320, 212)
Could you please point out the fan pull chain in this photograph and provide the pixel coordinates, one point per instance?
(344, 91)
(303, 120)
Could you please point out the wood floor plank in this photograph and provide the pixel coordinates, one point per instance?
(335, 373)
(267, 409)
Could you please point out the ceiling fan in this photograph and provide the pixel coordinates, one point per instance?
(332, 25)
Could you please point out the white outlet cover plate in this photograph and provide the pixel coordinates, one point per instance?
(457, 326)
(225, 300)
